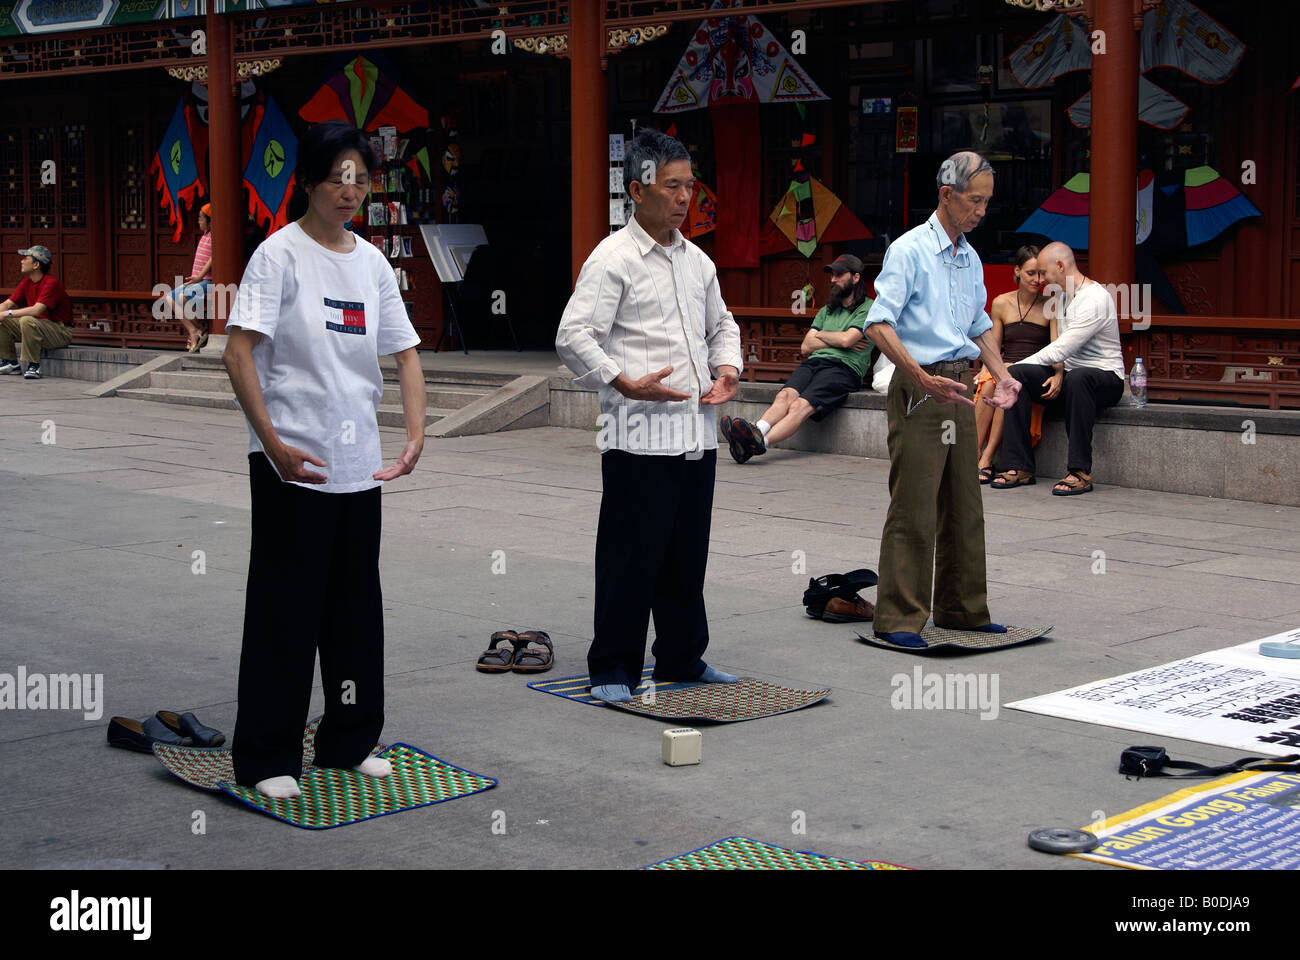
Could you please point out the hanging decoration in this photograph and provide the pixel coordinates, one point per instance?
(1175, 33)
(268, 170)
(808, 215)
(735, 59)
(364, 91)
(175, 171)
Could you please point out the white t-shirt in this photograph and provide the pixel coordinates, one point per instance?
(327, 318)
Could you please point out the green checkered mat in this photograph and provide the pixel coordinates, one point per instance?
(742, 853)
(332, 797)
(949, 641)
(749, 699)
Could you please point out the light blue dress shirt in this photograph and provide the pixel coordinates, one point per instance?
(931, 291)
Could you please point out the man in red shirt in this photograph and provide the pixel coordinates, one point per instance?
(39, 313)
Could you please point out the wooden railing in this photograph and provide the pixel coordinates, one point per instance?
(121, 318)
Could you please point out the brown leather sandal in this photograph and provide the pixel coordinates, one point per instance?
(499, 661)
(1013, 478)
(534, 659)
(848, 611)
(1082, 483)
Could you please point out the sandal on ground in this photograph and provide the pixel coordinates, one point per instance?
(1013, 478)
(986, 474)
(499, 661)
(534, 659)
(1081, 483)
(843, 585)
(848, 611)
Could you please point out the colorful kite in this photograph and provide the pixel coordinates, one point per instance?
(176, 174)
(1189, 208)
(1174, 34)
(366, 93)
(809, 215)
(702, 215)
(735, 59)
(268, 173)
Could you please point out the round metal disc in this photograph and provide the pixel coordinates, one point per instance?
(1062, 840)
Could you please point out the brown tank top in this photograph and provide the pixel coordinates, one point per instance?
(1021, 339)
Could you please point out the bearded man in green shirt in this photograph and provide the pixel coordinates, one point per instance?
(839, 356)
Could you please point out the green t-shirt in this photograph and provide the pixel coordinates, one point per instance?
(837, 322)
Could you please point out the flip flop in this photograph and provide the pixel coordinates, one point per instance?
(540, 658)
(498, 661)
(187, 725)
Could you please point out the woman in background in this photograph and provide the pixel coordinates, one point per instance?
(1021, 329)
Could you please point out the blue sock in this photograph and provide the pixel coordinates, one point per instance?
(903, 638)
(990, 628)
(612, 693)
(715, 676)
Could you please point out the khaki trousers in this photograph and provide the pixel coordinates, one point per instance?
(36, 333)
(934, 532)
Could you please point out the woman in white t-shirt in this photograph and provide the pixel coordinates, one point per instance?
(315, 310)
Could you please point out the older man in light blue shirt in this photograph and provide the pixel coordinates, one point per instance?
(929, 319)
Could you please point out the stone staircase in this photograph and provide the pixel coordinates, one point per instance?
(202, 381)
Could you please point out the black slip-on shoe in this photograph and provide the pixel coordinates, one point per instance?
(133, 735)
(187, 725)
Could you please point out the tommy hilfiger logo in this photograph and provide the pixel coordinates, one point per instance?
(343, 316)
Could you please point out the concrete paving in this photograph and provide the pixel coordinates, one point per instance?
(100, 529)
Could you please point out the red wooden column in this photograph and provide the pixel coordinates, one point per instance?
(1112, 240)
(588, 128)
(223, 159)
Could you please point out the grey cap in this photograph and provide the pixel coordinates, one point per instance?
(39, 253)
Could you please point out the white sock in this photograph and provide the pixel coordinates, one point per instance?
(374, 767)
(282, 788)
(764, 426)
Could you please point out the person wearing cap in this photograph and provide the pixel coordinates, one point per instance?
(191, 297)
(39, 313)
(839, 356)
(929, 319)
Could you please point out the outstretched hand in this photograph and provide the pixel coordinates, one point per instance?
(947, 391)
(649, 387)
(723, 389)
(1004, 394)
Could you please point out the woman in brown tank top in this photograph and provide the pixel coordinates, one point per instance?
(1021, 329)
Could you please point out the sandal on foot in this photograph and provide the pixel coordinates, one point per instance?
(534, 659)
(1013, 478)
(498, 661)
(986, 474)
(1082, 483)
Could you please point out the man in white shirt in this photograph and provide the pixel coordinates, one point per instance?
(647, 327)
(1094, 375)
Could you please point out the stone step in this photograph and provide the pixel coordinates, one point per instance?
(211, 361)
(191, 380)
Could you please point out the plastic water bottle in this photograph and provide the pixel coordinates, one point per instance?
(1137, 384)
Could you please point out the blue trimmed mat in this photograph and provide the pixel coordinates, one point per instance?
(750, 699)
(332, 797)
(742, 853)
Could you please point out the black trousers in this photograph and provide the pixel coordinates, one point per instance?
(1085, 392)
(313, 583)
(652, 546)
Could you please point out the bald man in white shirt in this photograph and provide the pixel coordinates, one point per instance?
(647, 327)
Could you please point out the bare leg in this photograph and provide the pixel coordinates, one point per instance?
(178, 311)
(984, 421)
(800, 410)
(780, 406)
(990, 452)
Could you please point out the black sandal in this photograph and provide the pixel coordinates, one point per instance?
(540, 658)
(499, 661)
(843, 585)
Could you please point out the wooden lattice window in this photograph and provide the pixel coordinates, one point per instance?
(133, 197)
(13, 206)
(72, 177)
(42, 196)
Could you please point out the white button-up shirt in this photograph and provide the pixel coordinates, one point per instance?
(640, 306)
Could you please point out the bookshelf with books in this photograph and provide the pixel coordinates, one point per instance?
(400, 199)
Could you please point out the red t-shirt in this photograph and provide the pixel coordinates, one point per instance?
(58, 306)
